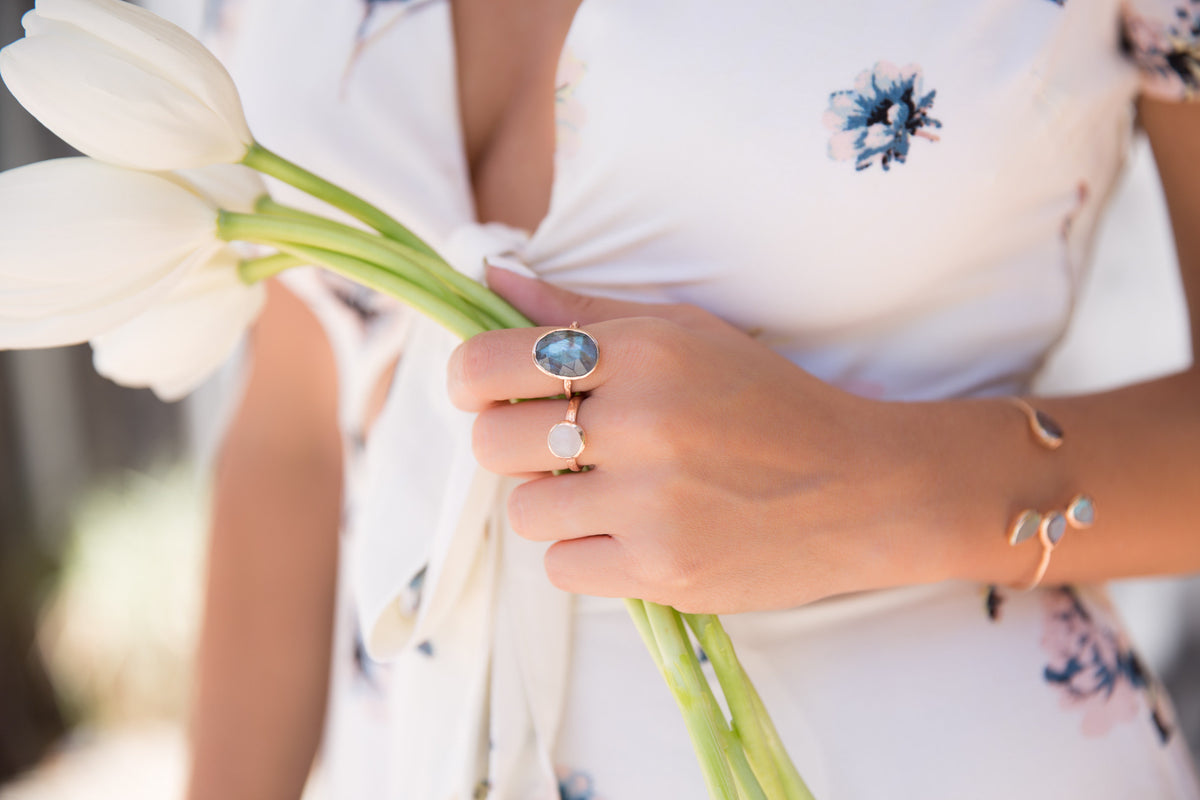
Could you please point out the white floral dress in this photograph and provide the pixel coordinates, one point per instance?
(900, 198)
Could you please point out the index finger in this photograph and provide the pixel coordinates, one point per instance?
(502, 365)
(499, 365)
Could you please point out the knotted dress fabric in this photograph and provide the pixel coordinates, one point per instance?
(461, 605)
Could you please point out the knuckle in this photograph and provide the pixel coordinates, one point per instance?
(659, 437)
(690, 316)
(654, 345)
(673, 574)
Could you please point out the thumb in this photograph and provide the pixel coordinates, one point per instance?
(547, 304)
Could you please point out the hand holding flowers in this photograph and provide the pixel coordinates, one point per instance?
(130, 249)
(659, 518)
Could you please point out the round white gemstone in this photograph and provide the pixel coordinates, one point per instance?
(566, 440)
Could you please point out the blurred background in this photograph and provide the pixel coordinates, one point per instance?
(103, 496)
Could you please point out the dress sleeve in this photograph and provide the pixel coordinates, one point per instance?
(1162, 37)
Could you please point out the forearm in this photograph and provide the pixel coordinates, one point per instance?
(262, 665)
(1135, 450)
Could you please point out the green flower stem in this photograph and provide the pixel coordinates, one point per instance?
(735, 751)
(764, 749)
(705, 722)
(269, 163)
(375, 277)
(637, 612)
(263, 229)
(492, 304)
(253, 270)
(793, 784)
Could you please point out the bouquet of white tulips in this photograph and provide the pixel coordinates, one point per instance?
(130, 248)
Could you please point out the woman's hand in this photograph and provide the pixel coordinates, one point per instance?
(726, 479)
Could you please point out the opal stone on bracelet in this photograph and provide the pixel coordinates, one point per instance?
(1081, 511)
(1025, 527)
(1053, 528)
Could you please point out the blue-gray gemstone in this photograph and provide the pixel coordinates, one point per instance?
(1056, 526)
(566, 353)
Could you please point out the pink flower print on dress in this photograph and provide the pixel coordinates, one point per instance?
(1090, 663)
(875, 122)
(1167, 53)
(569, 113)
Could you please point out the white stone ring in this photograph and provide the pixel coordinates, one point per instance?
(567, 354)
(566, 439)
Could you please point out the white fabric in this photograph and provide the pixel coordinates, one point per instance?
(700, 160)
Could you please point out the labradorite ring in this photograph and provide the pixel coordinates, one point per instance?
(566, 354)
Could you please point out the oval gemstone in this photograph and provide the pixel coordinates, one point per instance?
(566, 440)
(1054, 525)
(566, 353)
(1082, 511)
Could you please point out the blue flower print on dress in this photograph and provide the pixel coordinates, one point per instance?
(576, 785)
(1167, 51)
(876, 121)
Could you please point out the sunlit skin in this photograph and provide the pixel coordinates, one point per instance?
(697, 500)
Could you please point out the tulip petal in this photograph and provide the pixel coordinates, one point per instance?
(86, 321)
(177, 343)
(71, 85)
(165, 48)
(87, 245)
(75, 219)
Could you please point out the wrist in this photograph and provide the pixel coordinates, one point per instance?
(981, 467)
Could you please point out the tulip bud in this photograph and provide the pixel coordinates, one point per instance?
(125, 86)
(87, 246)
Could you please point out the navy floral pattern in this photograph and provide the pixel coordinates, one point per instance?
(1091, 664)
(576, 785)
(876, 121)
(1167, 52)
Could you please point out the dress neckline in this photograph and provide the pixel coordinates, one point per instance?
(538, 230)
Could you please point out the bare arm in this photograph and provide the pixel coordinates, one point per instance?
(263, 660)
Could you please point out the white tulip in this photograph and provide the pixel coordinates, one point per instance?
(177, 343)
(87, 246)
(125, 86)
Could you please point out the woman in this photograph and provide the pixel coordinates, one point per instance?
(884, 212)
